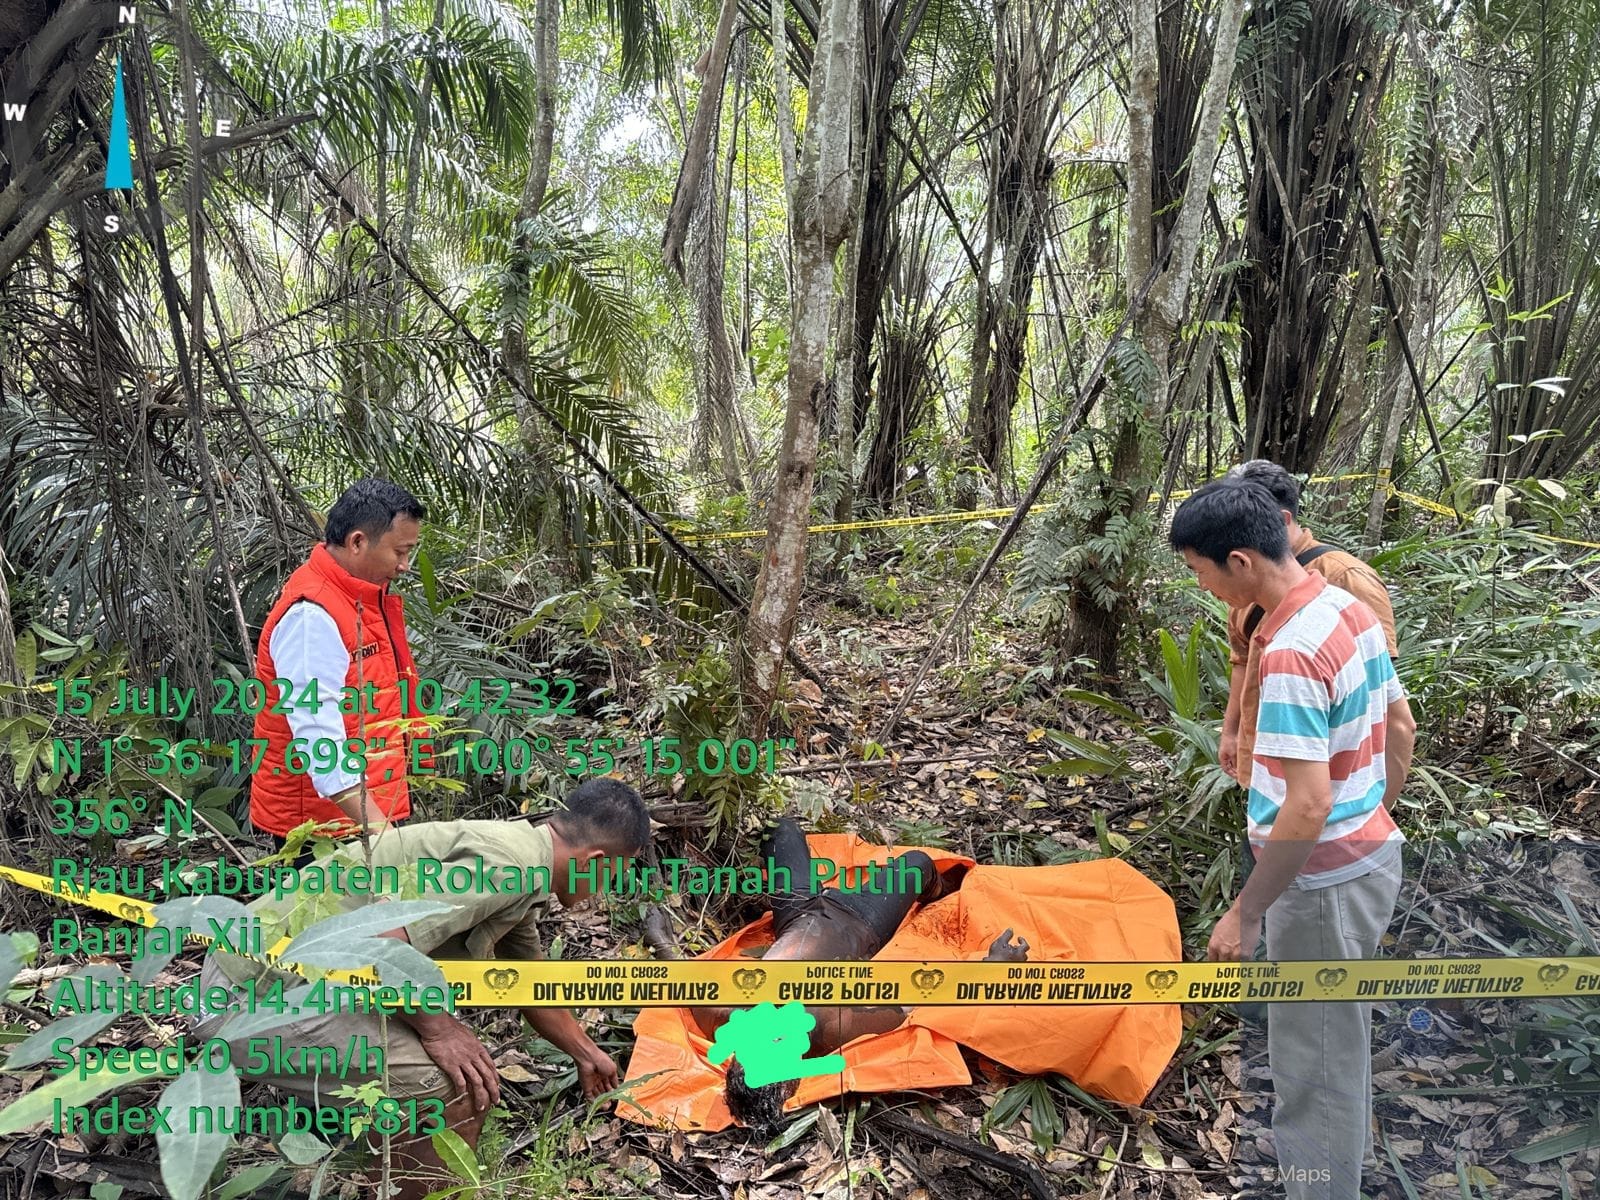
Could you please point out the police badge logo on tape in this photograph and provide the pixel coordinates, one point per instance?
(748, 979)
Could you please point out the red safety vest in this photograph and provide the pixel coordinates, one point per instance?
(372, 624)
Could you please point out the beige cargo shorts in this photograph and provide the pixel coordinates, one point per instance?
(328, 1054)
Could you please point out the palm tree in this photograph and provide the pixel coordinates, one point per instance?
(1541, 295)
(338, 338)
(1313, 78)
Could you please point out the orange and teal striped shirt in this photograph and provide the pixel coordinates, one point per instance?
(1326, 685)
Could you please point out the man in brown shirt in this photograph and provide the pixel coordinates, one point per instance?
(1338, 567)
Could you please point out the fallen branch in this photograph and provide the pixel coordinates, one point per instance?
(84, 1170)
(1032, 1178)
(672, 815)
(34, 976)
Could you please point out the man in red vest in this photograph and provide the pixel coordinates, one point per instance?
(339, 676)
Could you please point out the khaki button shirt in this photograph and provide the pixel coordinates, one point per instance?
(480, 924)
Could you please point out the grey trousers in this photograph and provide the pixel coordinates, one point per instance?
(1320, 1055)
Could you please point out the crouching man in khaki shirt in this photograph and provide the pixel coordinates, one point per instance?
(435, 1059)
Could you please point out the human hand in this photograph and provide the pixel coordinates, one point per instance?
(1001, 949)
(1235, 937)
(1228, 753)
(465, 1061)
(596, 1071)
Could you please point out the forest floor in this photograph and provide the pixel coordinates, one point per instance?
(1461, 1086)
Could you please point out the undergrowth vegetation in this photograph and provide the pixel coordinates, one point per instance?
(1499, 633)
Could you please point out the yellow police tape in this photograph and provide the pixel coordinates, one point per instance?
(733, 535)
(639, 983)
(996, 514)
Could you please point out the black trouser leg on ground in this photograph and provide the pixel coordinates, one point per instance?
(884, 909)
(786, 846)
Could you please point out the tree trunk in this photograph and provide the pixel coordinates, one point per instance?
(716, 371)
(1312, 96)
(1023, 249)
(1095, 627)
(778, 587)
(8, 643)
(20, 21)
(907, 350)
(519, 270)
(547, 68)
(819, 219)
(885, 43)
(787, 164)
(848, 368)
(1421, 241)
(984, 320)
(904, 391)
(697, 152)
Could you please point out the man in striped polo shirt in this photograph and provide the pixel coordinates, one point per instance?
(1333, 748)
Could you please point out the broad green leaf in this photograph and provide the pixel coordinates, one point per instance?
(327, 943)
(75, 1028)
(302, 1149)
(214, 797)
(1559, 1146)
(793, 1133)
(39, 1104)
(540, 610)
(106, 1191)
(247, 1182)
(148, 966)
(1182, 676)
(188, 1157)
(1106, 760)
(10, 960)
(50, 635)
(248, 1024)
(400, 962)
(396, 962)
(25, 762)
(27, 657)
(1071, 766)
(454, 1152)
(196, 911)
(1502, 497)
(220, 818)
(430, 582)
(1106, 703)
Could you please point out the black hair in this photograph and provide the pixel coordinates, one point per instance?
(370, 505)
(1285, 488)
(606, 813)
(1227, 515)
(759, 1109)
